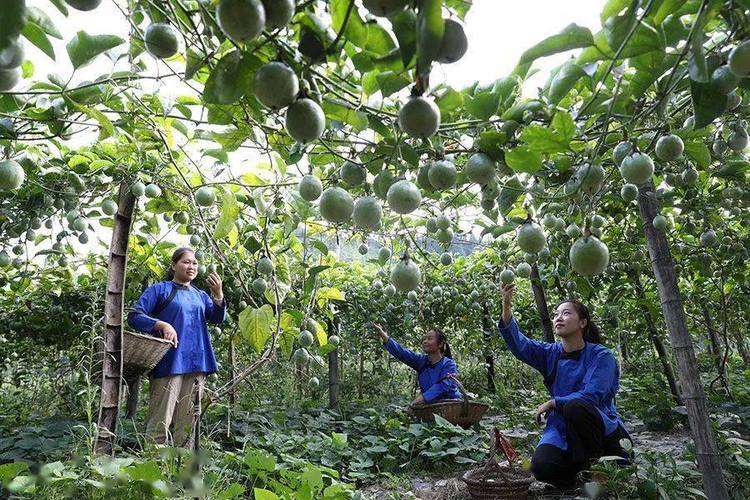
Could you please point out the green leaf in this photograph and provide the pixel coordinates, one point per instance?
(255, 326)
(708, 103)
(644, 39)
(12, 21)
(612, 8)
(83, 48)
(342, 112)
(106, 128)
(483, 103)
(564, 125)
(229, 214)
(356, 29)
(38, 37)
(571, 37)
(564, 80)
(261, 494)
(523, 159)
(9, 471)
(491, 142)
(390, 82)
(666, 8)
(698, 151)
(405, 28)
(648, 68)
(229, 80)
(41, 19)
(430, 27)
(541, 140)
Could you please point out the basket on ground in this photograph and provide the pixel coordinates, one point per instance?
(463, 413)
(141, 353)
(496, 481)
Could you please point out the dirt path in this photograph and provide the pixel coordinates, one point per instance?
(452, 488)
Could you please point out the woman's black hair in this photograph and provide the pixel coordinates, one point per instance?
(591, 332)
(176, 256)
(442, 339)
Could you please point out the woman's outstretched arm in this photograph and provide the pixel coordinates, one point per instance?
(531, 352)
(403, 354)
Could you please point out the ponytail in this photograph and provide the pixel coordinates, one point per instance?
(591, 332)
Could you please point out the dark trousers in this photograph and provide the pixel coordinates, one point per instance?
(586, 443)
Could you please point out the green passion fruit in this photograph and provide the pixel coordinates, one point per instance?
(12, 175)
(406, 275)
(241, 20)
(276, 85)
(637, 168)
(404, 197)
(161, 40)
(336, 205)
(669, 148)
(367, 213)
(454, 43)
(589, 256)
(278, 13)
(310, 188)
(305, 120)
(530, 238)
(352, 173)
(419, 118)
(442, 174)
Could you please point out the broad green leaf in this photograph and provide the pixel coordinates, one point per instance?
(261, 494)
(379, 41)
(12, 21)
(356, 29)
(571, 37)
(649, 67)
(564, 125)
(539, 139)
(83, 48)
(405, 28)
(9, 471)
(229, 214)
(229, 80)
(482, 103)
(644, 39)
(564, 80)
(523, 159)
(256, 325)
(430, 27)
(698, 151)
(41, 19)
(666, 8)
(343, 113)
(389, 82)
(491, 142)
(612, 8)
(33, 33)
(232, 138)
(106, 128)
(708, 104)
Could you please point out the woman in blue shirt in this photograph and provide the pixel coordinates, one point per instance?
(434, 367)
(179, 311)
(582, 377)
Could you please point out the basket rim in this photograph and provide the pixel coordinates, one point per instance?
(450, 402)
(469, 480)
(146, 336)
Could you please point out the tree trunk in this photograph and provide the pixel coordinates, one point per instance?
(707, 451)
(111, 380)
(716, 351)
(333, 369)
(661, 352)
(489, 359)
(541, 304)
(134, 393)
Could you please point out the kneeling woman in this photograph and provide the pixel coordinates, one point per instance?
(582, 378)
(435, 367)
(179, 311)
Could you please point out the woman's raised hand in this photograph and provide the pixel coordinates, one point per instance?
(381, 331)
(214, 284)
(507, 293)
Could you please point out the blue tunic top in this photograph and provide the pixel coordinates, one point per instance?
(187, 313)
(433, 379)
(591, 375)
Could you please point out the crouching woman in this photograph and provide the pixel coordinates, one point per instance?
(582, 378)
(179, 311)
(435, 368)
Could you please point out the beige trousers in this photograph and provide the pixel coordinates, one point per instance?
(171, 401)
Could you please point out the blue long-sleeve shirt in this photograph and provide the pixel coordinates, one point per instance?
(591, 375)
(433, 379)
(188, 314)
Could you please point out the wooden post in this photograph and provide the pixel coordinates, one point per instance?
(661, 352)
(541, 304)
(111, 379)
(134, 393)
(706, 449)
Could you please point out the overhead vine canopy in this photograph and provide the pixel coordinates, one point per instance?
(235, 121)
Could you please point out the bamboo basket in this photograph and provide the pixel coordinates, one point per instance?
(141, 353)
(495, 481)
(464, 413)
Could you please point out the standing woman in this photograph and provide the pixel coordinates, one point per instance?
(179, 311)
(582, 378)
(435, 368)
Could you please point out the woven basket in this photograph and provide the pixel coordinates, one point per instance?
(493, 480)
(141, 353)
(464, 413)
